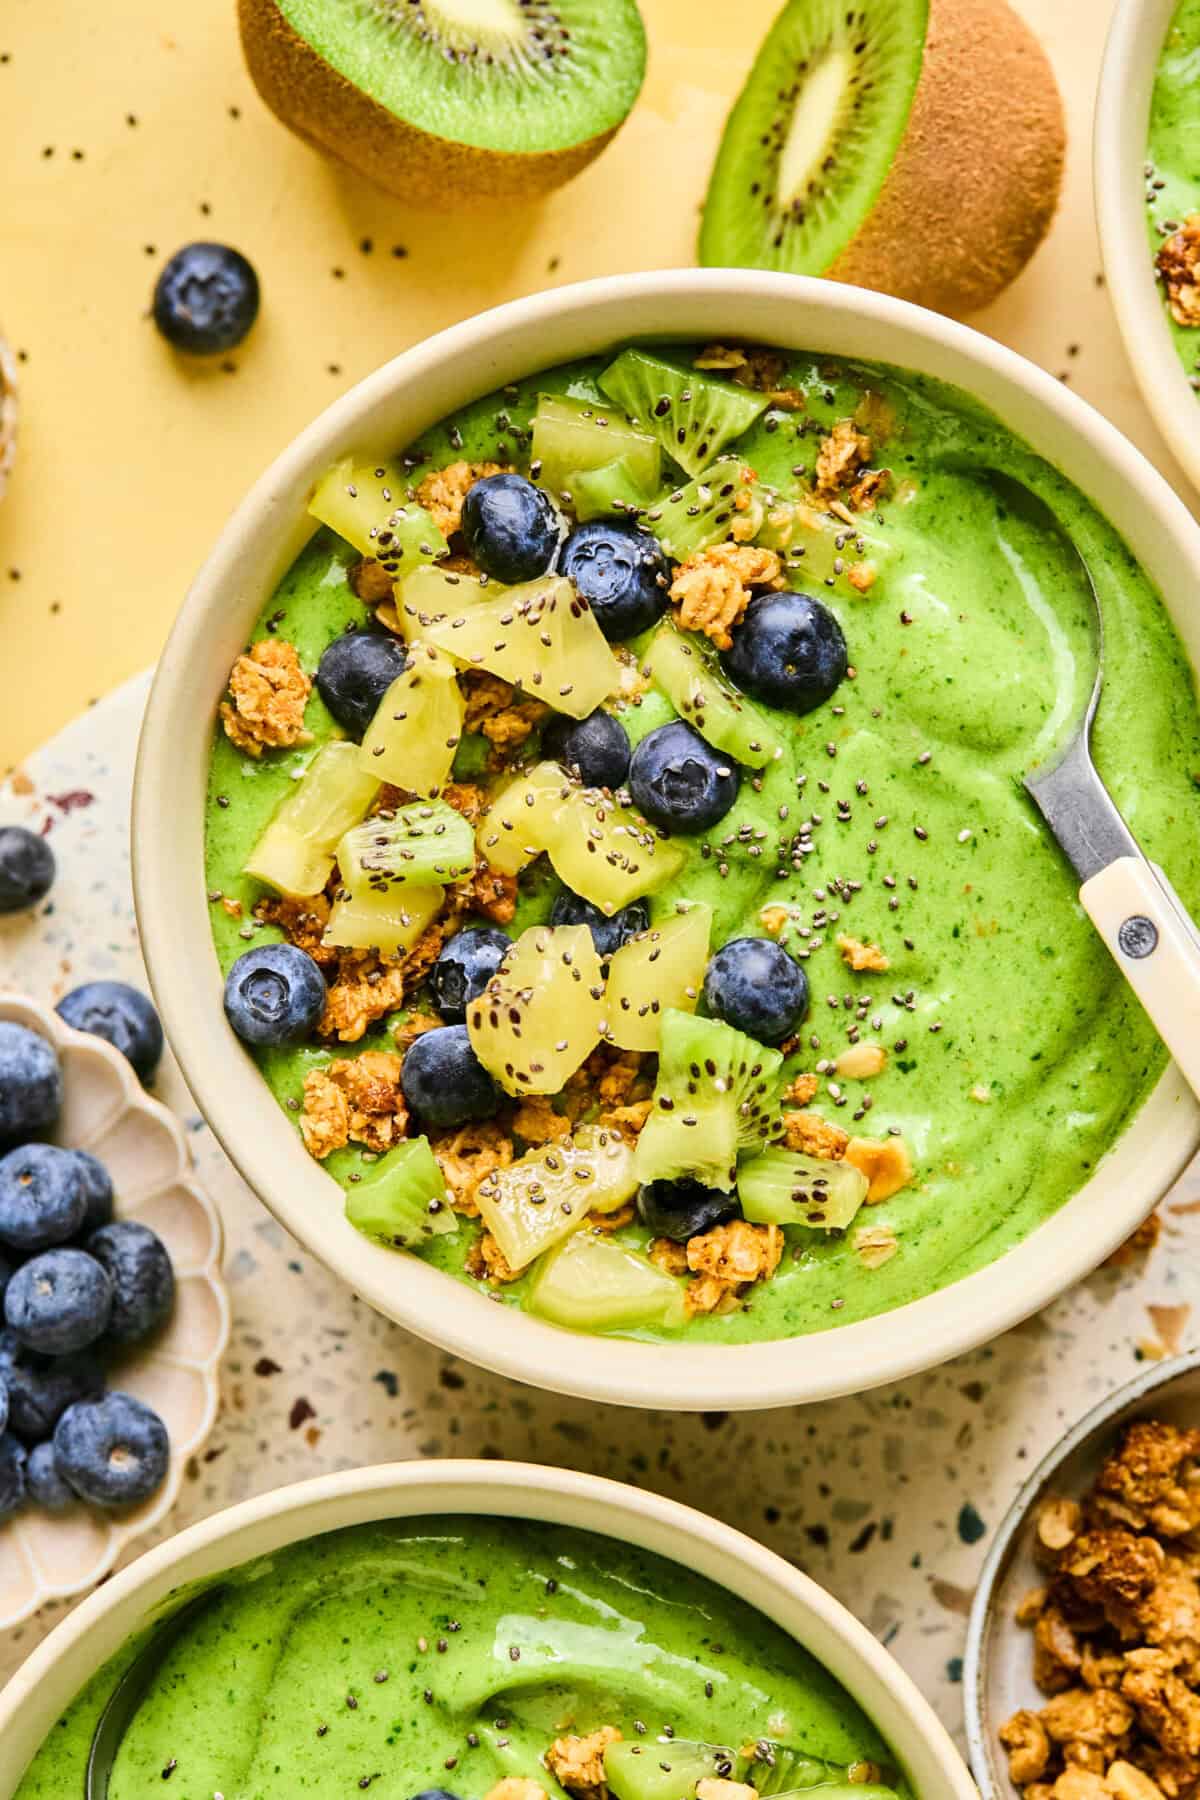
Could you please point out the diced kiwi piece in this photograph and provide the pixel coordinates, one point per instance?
(367, 504)
(296, 850)
(540, 1015)
(429, 594)
(516, 827)
(666, 1768)
(391, 919)
(914, 146)
(402, 1199)
(614, 488)
(591, 1284)
(417, 726)
(702, 512)
(571, 436)
(715, 1095)
(692, 415)
(542, 637)
(545, 1195)
(838, 1790)
(424, 844)
(784, 1187)
(659, 969)
(701, 693)
(453, 102)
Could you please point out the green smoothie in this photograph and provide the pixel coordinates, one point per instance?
(451, 1653)
(1172, 170)
(1016, 1054)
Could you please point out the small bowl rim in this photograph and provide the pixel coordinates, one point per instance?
(669, 1528)
(1092, 1424)
(1136, 36)
(124, 1532)
(264, 534)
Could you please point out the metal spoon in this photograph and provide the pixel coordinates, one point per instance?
(1129, 900)
(130, 1692)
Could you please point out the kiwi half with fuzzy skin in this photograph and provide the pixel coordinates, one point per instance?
(914, 146)
(8, 413)
(449, 102)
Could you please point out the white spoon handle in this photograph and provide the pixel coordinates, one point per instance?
(1157, 949)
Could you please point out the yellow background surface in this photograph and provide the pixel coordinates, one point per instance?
(130, 127)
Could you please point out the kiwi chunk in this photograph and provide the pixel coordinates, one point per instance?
(701, 512)
(366, 504)
(544, 1196)
(784, 1187)
(612, 488)
(417, 725)
(425, 844)
(543, 637)
(666, 1769)
(914, 146)
(572, 435)
(539, 1016)
(692, 416)
(715, 1096)
(450, 102)
(701, 693)
(295, 852)
(660, 968)
(387, 919)
(428, 595)
(402, 1200)
(591, 1284)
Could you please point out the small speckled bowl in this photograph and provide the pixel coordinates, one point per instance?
(1120, 132)
(998, 1665)
(77, 1647)
(106, 1111)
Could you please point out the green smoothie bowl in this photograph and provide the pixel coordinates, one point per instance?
(591, 762)
(1147, 179)
(481, 1630)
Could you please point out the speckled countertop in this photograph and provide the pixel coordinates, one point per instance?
(886, 1499)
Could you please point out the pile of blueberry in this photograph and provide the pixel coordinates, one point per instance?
(78, 1287)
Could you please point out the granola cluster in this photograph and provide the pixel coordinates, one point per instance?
(1116, 1632)
(268, 694)
(713, 588)
(1178, 265)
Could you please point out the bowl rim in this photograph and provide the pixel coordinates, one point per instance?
(892, 1700)
(124, 1531)
(169, 885)
(1120, 127)
(1098, 1419)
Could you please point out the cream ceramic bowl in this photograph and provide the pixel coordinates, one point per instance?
(1121, 127)
(387, 410)
(44, 1685)
(106, 1110)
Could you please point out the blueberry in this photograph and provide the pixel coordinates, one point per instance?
(4, 1406)
(6, 1275)
(26, 868)
(12, 1476)
(43, 1200)
(123, 1016)
(355, 672)
(756, 987)
(621, 572)
(113, 1452)
(510, 527)
(43, 1483)
(40, 1388)
(206, 298)
(30, 1083)
(789, 651)
(596, 748)
(683, 1209)
(680, 782)
(274, 994)
(143, 1281)
(97, 1191)
(464, 968)
(608, 932)
(444, 1081)
(58, 1302)
(435, 1794)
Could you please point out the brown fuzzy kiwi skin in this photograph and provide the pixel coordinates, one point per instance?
(8, 413)
(332, 115)
(976, 180)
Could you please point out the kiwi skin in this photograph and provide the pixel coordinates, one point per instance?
(976, 179)
(339, 119)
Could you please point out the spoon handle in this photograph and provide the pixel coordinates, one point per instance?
(1156, 947)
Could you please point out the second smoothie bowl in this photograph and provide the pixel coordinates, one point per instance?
(594, 753)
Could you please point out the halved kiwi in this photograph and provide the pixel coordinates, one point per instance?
(914, 146)
(447, 102)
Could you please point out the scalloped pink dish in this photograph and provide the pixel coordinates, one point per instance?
(106, 1111)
